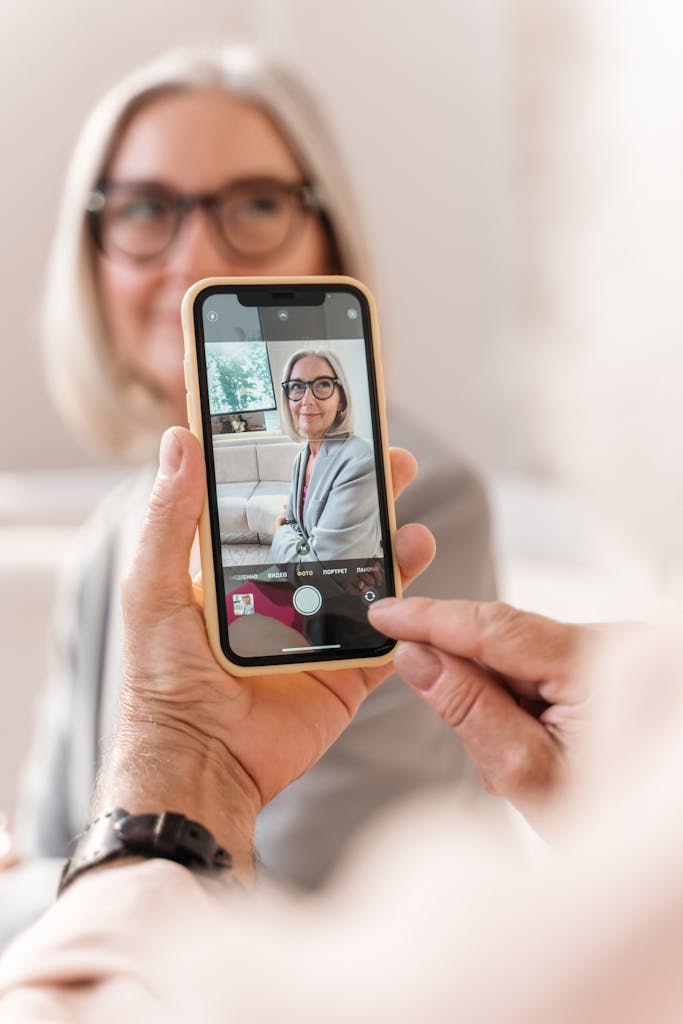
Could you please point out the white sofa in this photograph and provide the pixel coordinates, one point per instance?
(253, 478)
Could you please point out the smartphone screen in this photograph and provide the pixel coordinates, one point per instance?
(295, 471)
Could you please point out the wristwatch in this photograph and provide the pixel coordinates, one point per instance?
(117, 833)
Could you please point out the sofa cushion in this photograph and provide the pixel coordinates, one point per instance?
(264, 504)
(245, 554)
(275, 461)
(235, 463)
(252, 484)
(232, 501)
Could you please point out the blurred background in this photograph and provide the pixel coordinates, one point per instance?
(516, 163)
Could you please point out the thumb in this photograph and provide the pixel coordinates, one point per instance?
(163, 553)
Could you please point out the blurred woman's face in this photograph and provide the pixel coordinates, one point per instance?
(193, 142)
(313, 417)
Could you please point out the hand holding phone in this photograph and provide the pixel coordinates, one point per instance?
(296, 362)
(190, 730)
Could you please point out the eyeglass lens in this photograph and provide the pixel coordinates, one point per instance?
(252, 218)
(322, 387)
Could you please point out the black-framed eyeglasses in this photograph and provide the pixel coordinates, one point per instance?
(322, 388)
(252, 217)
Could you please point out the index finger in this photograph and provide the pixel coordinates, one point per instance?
(403, 469)
(516, 644)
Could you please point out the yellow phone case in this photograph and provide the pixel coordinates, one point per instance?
(195, 421)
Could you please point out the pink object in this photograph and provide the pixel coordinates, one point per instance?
(270, 599)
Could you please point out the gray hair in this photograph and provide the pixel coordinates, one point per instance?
(345, 422)
(97, 396)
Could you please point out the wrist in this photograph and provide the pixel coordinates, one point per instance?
(117, 837)
(153, 767)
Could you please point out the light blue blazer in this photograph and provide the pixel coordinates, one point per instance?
(340, 516)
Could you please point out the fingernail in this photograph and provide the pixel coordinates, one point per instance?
(384, 605)
(418, 665)
(170, 454)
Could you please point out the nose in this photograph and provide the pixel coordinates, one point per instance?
(308, 397)
(196, 251)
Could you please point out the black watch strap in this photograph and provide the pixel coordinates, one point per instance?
(117, 833)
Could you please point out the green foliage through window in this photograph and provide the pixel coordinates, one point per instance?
(239, 377)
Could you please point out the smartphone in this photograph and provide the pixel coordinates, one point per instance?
(284, 390)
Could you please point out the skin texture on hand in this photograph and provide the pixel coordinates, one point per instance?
(509, 683)
(193, 738)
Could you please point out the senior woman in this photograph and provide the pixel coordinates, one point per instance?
(331, 511)
(201, 164)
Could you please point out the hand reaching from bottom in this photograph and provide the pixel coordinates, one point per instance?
(511, 684)
(214, 746)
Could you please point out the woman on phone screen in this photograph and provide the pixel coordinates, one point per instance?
(332, 511)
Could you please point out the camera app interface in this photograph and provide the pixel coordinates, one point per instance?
(298, 484)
